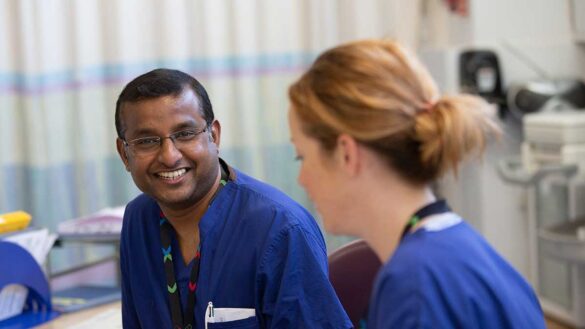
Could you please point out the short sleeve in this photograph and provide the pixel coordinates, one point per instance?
(295, 291)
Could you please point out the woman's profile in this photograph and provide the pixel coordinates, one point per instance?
(373, 133)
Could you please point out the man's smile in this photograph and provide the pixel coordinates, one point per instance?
(172, 175)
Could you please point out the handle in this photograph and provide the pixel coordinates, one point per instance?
(511, 170)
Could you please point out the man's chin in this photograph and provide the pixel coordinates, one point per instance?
(173, 201)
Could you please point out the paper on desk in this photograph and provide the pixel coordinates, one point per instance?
(38, 243)
(105, 221)
(110, 319)
(12, 299)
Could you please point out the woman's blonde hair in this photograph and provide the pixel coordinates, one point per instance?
(380, 94)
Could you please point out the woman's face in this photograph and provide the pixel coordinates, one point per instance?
(318, 175)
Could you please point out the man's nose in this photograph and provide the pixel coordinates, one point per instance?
(169, 154)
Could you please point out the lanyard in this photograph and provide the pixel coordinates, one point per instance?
(434, 208)
(180, 321)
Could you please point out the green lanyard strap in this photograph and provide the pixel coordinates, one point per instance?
(434, 208)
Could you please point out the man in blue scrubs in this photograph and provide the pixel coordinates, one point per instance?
(206, 246)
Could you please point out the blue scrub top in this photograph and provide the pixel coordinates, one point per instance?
(447, 276)
(259, 250)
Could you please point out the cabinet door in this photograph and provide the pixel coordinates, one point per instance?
(579, 20)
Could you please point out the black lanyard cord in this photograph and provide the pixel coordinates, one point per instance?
(172, 288)
(166, 229)
(434, 208)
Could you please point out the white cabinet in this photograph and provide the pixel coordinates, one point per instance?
(578, 13)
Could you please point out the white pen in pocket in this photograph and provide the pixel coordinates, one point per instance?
(217, 315)
(209, 314)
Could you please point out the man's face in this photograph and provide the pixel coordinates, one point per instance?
(176, 174)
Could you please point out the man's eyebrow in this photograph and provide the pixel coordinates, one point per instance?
(143, 132)
(186, 124)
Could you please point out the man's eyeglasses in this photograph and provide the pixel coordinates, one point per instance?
(145, 146)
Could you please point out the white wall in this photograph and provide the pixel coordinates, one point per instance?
(533, 39)
(540, 30)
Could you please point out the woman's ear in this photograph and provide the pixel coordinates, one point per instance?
(348, 153)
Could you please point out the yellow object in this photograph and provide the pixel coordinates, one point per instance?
(14, 221)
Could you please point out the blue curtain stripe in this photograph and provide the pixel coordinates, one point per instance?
(23, 83)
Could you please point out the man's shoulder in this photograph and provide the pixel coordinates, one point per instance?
(138, 211)
(267, 195)
(264, 201)
(139, 204)
(255, 185)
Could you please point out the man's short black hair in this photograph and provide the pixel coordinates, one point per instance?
(159, 83)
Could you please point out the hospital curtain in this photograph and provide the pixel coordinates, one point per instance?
(63, 63)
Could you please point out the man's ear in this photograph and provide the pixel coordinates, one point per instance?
(348, 153)
(215, 134)
(122, 152)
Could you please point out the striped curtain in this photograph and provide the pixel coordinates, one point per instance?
(63, 63)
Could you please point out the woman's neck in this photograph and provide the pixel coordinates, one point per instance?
(388, 211)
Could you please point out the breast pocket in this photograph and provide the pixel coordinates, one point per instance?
(233, 318)
(249, 323)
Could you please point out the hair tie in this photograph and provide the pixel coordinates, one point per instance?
(429, 106)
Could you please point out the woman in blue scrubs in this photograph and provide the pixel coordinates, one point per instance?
(372, 133)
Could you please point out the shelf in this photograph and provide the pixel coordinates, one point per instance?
(562, 241)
